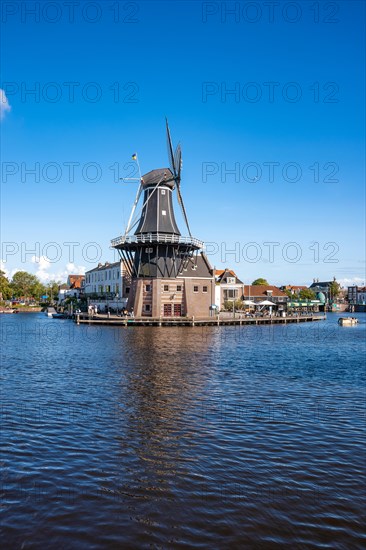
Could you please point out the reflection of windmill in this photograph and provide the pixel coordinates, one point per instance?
(156, 249)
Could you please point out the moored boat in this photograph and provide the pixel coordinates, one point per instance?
(347, 321)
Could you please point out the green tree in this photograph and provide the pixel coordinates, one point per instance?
(260, 281)
(52, 289)
(334, 289)
(37, 290)
(228, 305)
(307, 294)
(5, 288)
(26, 284)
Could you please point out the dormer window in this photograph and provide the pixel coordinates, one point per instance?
(230, 280)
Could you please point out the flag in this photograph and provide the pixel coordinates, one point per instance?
(134, 156)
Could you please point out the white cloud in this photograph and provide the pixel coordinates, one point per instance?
(4, 104)
(353, 281)
(9, 272)
(44, 267)
(43, 270)
(71, 268)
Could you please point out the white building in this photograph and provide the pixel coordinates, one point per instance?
(105, 281)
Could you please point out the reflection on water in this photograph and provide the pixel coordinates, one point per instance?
(211, 437)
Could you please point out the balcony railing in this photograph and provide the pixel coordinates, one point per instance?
(156, 238)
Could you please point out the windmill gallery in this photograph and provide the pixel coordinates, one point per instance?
(168, 276)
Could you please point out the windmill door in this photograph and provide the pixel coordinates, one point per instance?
(167, 310)
(177, 310)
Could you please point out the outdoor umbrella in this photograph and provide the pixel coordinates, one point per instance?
(266, 303)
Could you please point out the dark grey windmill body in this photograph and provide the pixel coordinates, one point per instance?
(156, 250)
(157, 213)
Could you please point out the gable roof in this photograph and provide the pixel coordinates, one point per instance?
(221, 274)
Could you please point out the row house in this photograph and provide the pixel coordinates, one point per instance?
(107, 281)
(228, 287)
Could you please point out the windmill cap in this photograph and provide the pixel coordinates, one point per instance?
(162, 175)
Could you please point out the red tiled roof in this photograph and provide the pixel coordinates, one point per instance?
(220, 272)
(75, 281)
(254, 291)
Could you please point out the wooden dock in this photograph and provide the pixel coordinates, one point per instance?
(114, 320)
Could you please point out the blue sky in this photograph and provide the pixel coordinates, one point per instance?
(293, 131)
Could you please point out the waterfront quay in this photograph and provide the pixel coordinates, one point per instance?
(114, 320)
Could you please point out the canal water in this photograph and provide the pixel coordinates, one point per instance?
(173, 437)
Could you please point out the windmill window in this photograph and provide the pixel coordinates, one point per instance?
(148, 288)
(127, 289)
(147, 307)
(204, 289)
(166, 288)
(163, 191)
(163, 212)
(179, 288)
(195, 289)
(148, 250)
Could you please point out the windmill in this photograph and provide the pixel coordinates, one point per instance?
(165, 269)
(156, 223)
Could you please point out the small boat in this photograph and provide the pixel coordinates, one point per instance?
(58, 316)
(50, 311)
(347, 321)
(8, 310)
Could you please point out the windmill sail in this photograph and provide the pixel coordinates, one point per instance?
(175, 161)
(170, 149)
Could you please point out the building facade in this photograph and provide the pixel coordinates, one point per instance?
(74, 288)
(258, 293)
(228, 287)
(356, 295)
(190, 293)
(106, 281)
